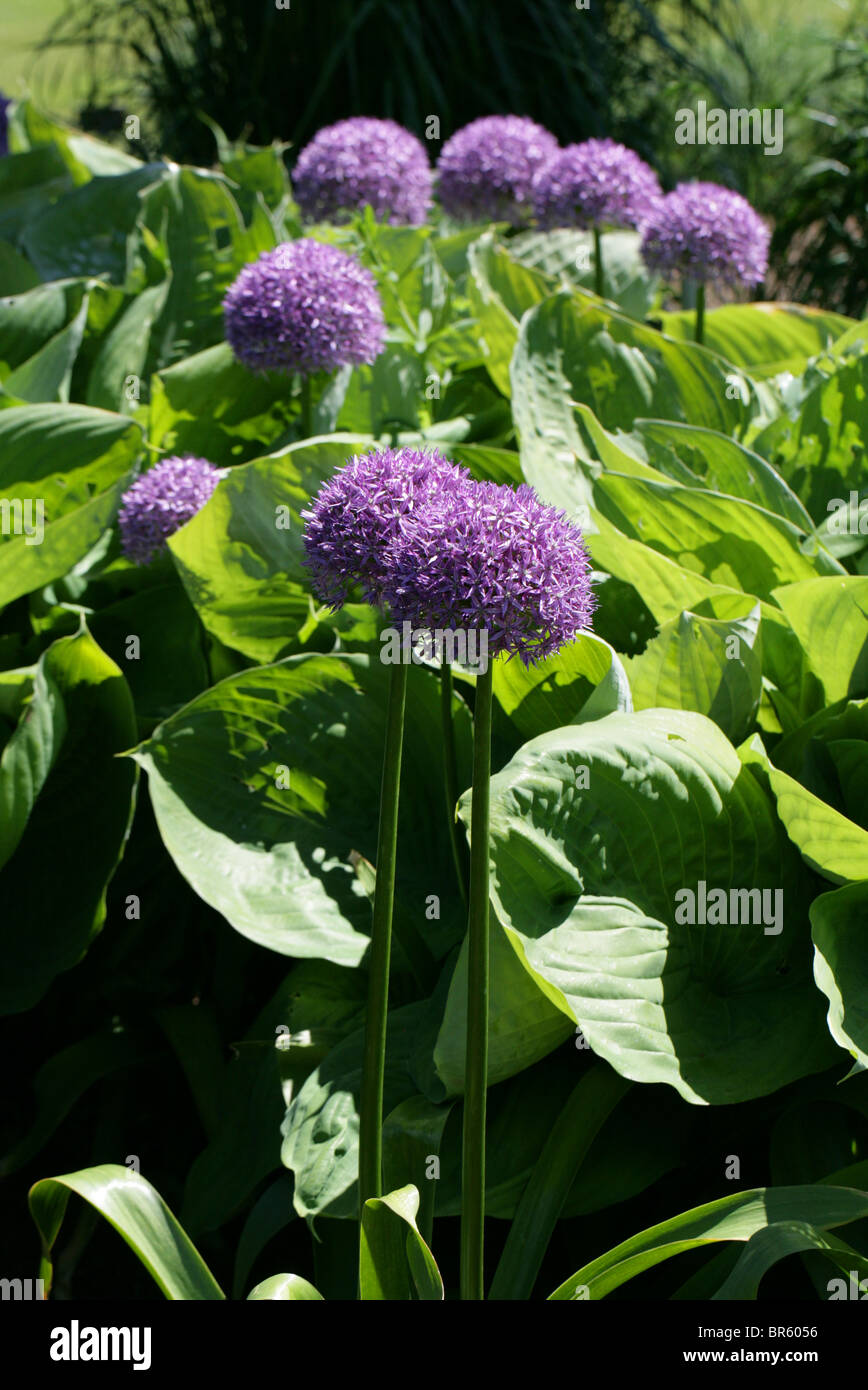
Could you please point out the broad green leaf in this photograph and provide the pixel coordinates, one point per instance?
(115, 381)
(767, 338)
(593, 1100)
(603, 835)
(775, 1242)
(828, 842)
(72, 460)
(210, 405)
(733, 1218)
(566, 257)
(31, 319)
(395, 1262)
(709, 665)
(30, 753)
(92, 230)
(137, 1211)
(45, 928)
(584, 680)
(821, 453)
(412, 1135)
(830, 618)
(47, 375)
(263, 787)
(500, 291)
(286, 1286)
(321, 1128)
(839, 923)
(29, 182)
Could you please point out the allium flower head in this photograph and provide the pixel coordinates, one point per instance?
(493, 558)
(486, 169)
(362, 508)
(707, 233)
(5, 103)
(361, 161)
(304, 307)
(160, 501)
(598, 183)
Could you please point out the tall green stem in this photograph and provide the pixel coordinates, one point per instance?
(450, 771)
(476, 1059)
(371, 1116)
(699, 331)
(598, 263)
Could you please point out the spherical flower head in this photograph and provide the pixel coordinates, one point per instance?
(598, 183)
(5, 103)
(160, 502)
(486, 169)
(362, 509)
(496, 559)
(707, 233)
(361, 161)
(304, 307)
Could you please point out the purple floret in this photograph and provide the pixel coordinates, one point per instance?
(598, 183)
(707, 233)
(304, 307)
(5, 103)
(496, 559)
(161, 501)
(361, 509)
(486, 169)
(361, 161)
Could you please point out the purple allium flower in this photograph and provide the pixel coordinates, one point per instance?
(493, 558)
(598, 183)
(160, 501)
(304, 307)
(707, 233)
(5, 103)
(361, 161)
(362, 508)
(486, 169)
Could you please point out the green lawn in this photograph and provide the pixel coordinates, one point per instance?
(58, 81)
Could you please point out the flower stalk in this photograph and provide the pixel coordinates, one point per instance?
(476, 1057)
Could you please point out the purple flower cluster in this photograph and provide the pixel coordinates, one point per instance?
(446, 552)
(486, 169)
(304, 307)
(707, 233)
(161, 501)
(598, 183)
(362, 509)
(5, 103)
(361, 161)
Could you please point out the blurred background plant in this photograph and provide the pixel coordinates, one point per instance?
(620, 67)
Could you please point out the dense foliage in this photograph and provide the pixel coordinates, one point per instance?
(192, 751)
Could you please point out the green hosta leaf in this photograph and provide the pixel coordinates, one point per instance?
(115, 380)
(241, 557)
(395, 1262)
(92, 230)
(827, 841)
(584, 680)
(29, 182)
(321, 1128)
(727, 540)
(773, 1243)
(840, 924)
(821, 453)
(385, 396)
(705, 459)
(708, 665)
(599, 835)
(30, 753)
(46, 376)
(500, 291)
(285, 1286)
(766, 338)
(74, 461)
(31, 319)
(137, 1211)
(567, 257)
(830, 618)
(212, 406)
(412, 1135)
(273, 858)
(45, 928)
(733, 1218)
